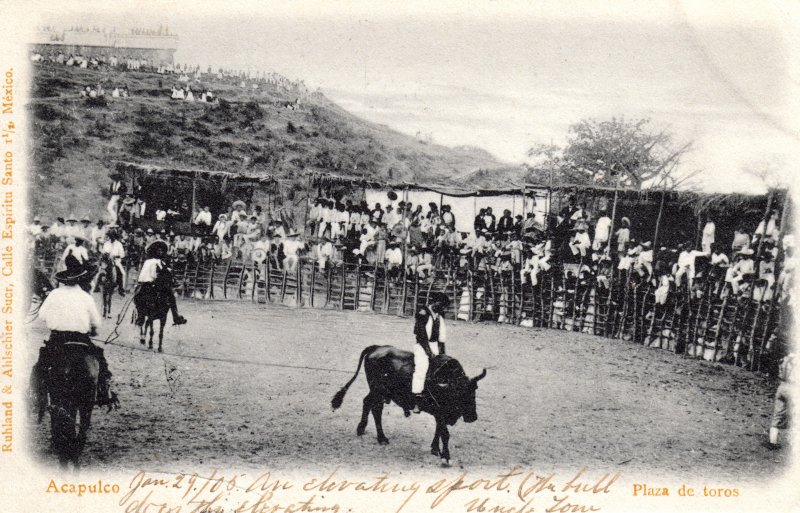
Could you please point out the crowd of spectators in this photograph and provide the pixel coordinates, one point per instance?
(407, 240)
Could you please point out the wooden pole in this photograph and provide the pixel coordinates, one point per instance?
(194, 199)
(777, 272)
(611, 230)
(658, 224)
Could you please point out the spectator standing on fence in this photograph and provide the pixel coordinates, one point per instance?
(623, 235)
(505, 226)
(602, 230)
(740, 240)
(709, 236)
(772, 229)
(448, 219)
(580, 243)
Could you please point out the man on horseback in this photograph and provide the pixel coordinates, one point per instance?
(155, 276)
(114, 249)
(71, 316)
(430, 332)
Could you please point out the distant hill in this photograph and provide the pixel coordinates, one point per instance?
(76, 140)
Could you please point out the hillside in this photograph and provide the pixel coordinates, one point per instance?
(76, 140)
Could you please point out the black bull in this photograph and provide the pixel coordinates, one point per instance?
(450, 394)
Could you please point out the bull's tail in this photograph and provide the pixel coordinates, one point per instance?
(339, 397)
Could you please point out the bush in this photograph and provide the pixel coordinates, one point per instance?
(47, 112)
(290, 128)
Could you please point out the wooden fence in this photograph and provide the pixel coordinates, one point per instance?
(733, 329)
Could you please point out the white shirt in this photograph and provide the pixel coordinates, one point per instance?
(69, 308)
(98, 233)
(35, 229)
(114, 249)
(150, 270)
(78, 252)
(291, 247)
(203, 218)
(602, 228)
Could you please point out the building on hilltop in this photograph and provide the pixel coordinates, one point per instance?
(155, 45)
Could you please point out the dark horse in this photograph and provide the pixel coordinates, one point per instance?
(107, 279)
(70, 381)
(153, 304)
(72, 386)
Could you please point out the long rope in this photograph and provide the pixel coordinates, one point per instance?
(227, 360)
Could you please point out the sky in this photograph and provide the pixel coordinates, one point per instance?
(506, 76)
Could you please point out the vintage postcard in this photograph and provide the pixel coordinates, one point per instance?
(461, 257)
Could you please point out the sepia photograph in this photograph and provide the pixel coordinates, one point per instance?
(466, 257)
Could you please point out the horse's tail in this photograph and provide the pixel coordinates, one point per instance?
(339, 397)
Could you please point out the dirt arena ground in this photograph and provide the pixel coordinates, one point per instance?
(249, 386)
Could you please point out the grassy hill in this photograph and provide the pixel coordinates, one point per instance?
(75, 140)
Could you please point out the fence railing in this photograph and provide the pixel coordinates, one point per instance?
(735, 329)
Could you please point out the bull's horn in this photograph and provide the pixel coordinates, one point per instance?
(479, 376)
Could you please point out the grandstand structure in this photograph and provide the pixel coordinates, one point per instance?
(158, 46)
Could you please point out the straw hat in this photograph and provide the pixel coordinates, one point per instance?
(156, 246)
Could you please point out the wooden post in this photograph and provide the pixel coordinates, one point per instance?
(241, 280)
(374, 287)
(357, 292)
(313, 282)
(225, 282)
(267, 278)
(341, 289)
(765, 220)
(298, 290)
(778, 264)
(328, 285)
(194, 199)
(658, 223)
(611, 233)
(283, 285)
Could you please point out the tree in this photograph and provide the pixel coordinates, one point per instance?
(614, 152)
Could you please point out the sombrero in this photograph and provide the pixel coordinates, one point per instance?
(292, 234)
(155, 246)
(85, 219)
(392, 195)
(72, 275)
(439, 297)
(72, 218)
(746, 251)
(239, 203)
(128, 201)
(259, 255)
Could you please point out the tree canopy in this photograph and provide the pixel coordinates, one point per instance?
(616, 152)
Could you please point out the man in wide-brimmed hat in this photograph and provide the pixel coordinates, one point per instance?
(113, 248)
(292, 246)
(72, 229)
(75, 254)
(431, 334)
(72, 317)
(153, 267)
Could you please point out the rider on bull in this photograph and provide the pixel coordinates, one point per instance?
(71, 315)
(154, 266)
(429, 329)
